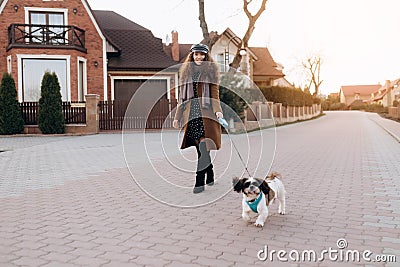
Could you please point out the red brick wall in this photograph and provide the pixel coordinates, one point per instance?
(81, 19)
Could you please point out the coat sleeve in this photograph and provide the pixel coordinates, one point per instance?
(215, 98)
(179, 110)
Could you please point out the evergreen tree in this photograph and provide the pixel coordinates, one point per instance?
(11, 121)
(231, 96)
(51, 118)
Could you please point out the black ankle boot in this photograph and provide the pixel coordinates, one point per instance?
(210, 175)
(199, 186)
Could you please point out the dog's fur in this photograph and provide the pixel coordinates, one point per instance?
(270, 188)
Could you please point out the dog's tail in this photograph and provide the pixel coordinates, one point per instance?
(274, 175)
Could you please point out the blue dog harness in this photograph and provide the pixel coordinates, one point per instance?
(253, 205)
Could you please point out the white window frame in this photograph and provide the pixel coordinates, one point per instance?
(20, 57)
(84, 60)
(9, 64)
(49, 10)
(43, 9)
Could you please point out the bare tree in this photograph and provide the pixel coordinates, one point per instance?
(312, 67)
(250, 29)
(210, 39)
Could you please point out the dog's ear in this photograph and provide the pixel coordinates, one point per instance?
(273, 175)
(238, 184)
(264, 186)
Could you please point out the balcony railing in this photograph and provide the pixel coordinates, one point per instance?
(46, 36)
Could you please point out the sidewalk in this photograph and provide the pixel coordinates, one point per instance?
(390, 126)
(71, 201)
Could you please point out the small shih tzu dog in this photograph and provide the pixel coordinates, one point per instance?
(258, 194)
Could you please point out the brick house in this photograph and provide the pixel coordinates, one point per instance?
(73, 46)
(92, 52)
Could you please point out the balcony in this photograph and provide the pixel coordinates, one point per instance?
(46, 36)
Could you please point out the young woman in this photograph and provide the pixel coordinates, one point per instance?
(198, 110)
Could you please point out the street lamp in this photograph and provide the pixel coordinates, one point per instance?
(242, 51)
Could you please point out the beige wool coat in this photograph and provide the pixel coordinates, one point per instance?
(212, 128)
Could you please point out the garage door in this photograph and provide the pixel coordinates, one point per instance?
(148, 102)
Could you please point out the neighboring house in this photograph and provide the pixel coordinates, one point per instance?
(265, 70)
(386, 94)
(356, 93)
(92, 52)
(282, 82)
(257, 62)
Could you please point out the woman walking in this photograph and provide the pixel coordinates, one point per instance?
(198, 110)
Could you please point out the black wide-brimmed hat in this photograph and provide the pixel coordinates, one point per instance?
(199, 48)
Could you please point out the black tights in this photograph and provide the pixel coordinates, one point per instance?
(203, 156)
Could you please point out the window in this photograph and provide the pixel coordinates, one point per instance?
(221, 62)
(224, 60)
(82, 85)
(32, 75)
(9, 64)
(52, 33)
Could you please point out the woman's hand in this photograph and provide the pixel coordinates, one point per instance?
(219, 114)
(175, 124)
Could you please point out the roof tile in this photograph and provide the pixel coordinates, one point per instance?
(140, 50)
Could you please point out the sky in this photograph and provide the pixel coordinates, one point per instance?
(357, 40)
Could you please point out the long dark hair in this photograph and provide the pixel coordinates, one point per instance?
(208, 67)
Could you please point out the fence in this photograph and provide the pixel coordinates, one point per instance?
(74, 112)
(260, 115)
(113, 115)
(394, 112)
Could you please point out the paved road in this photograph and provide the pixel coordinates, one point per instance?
(72, 201)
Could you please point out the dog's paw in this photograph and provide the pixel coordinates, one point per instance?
(282, 212)
(246, 217)
(259, 224)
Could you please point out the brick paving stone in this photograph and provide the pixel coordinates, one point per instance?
(28, 261)
(89, 261)
(117, 257)
(58, 264)
(150, 261)
(58, 257)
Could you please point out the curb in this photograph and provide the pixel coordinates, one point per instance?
(397, 138)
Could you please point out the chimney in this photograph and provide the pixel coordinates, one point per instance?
(175, 46)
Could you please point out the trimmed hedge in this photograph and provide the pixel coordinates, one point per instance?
(11, 121)
(289, 96)
(51, 118)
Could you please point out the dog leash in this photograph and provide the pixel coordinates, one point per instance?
(224, 124)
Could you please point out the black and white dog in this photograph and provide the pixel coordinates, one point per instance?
(258, 194)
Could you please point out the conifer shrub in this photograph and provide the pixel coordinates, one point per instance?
(51, 118)
(11, 121)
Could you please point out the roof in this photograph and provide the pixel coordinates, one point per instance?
(350, 90)
(140, 50)
(184, 50)
(265, 65)
(379, 94)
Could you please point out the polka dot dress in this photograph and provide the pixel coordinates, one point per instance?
(195, 127)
